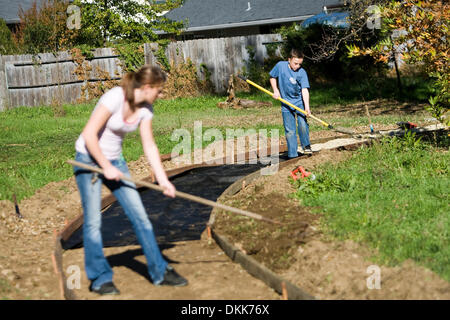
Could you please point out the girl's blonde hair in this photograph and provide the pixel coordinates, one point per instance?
(151, 75)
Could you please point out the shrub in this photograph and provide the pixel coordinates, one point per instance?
(340, 66)
(7, 44)
(422, 27)
(260, 73)
(44, 29)
(183, 81)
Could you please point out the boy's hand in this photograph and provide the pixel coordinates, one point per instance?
(276, 95)
(308, 111)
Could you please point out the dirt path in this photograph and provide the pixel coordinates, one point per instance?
(211, 274)
(26, 269)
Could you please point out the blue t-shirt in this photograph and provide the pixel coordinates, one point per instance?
(290, 84)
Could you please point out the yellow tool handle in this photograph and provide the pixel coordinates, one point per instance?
(286, 102)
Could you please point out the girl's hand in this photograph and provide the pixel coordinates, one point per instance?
(169, 188)
(112, 173)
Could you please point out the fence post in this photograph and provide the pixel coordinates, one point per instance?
(4, 96)
(149, 56)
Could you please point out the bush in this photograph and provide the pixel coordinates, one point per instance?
(7, 44)
(44, 29)
(422, 28)
(340, 66)
(260, 73)
(183, 81)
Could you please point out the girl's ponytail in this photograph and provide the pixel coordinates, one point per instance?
(151, 75)
(128, 85)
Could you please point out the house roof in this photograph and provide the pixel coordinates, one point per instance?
(9, 9)
(218, 14)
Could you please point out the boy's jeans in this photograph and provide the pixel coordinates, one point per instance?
(289, 124)
(97, 268)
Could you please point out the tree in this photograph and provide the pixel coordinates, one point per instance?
(422, 29)
(325, 49)
(332, 39)
(105, 21)
(44, 29)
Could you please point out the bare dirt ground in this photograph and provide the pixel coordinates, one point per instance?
(26, 269)
(331, 113)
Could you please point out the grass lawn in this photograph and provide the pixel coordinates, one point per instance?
(393, 196)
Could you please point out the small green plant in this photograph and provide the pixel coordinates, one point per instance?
(327, 181)
(437, 107)
(161, 56)
(392, 196)
(206, 72)
(86, 51)
(131, 55)
(258, 72)
(5, 288)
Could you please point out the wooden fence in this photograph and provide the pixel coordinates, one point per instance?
(27, 80)
(222, 56)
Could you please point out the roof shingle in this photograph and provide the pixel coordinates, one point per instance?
(9, 9)
(200, 13)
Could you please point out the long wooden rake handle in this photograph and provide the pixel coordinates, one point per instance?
(329, 126)
(179, 194)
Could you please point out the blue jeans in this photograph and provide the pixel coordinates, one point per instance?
(97, 268)
(290, 126)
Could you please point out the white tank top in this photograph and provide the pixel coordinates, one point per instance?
(112, 134)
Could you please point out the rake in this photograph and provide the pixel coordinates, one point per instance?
(179, 194)
(329, 126)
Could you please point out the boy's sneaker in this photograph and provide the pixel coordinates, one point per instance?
(308, 150)
(172, 278)
(107, 288)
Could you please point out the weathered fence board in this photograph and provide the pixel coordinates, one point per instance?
(27, 80)
(222, 56)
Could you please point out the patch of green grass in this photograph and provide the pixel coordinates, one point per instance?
(5, 289)
(350, 91)
(393, 196)
(356, 121)
(34, 144)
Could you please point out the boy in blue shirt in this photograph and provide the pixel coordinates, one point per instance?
(290, 82)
